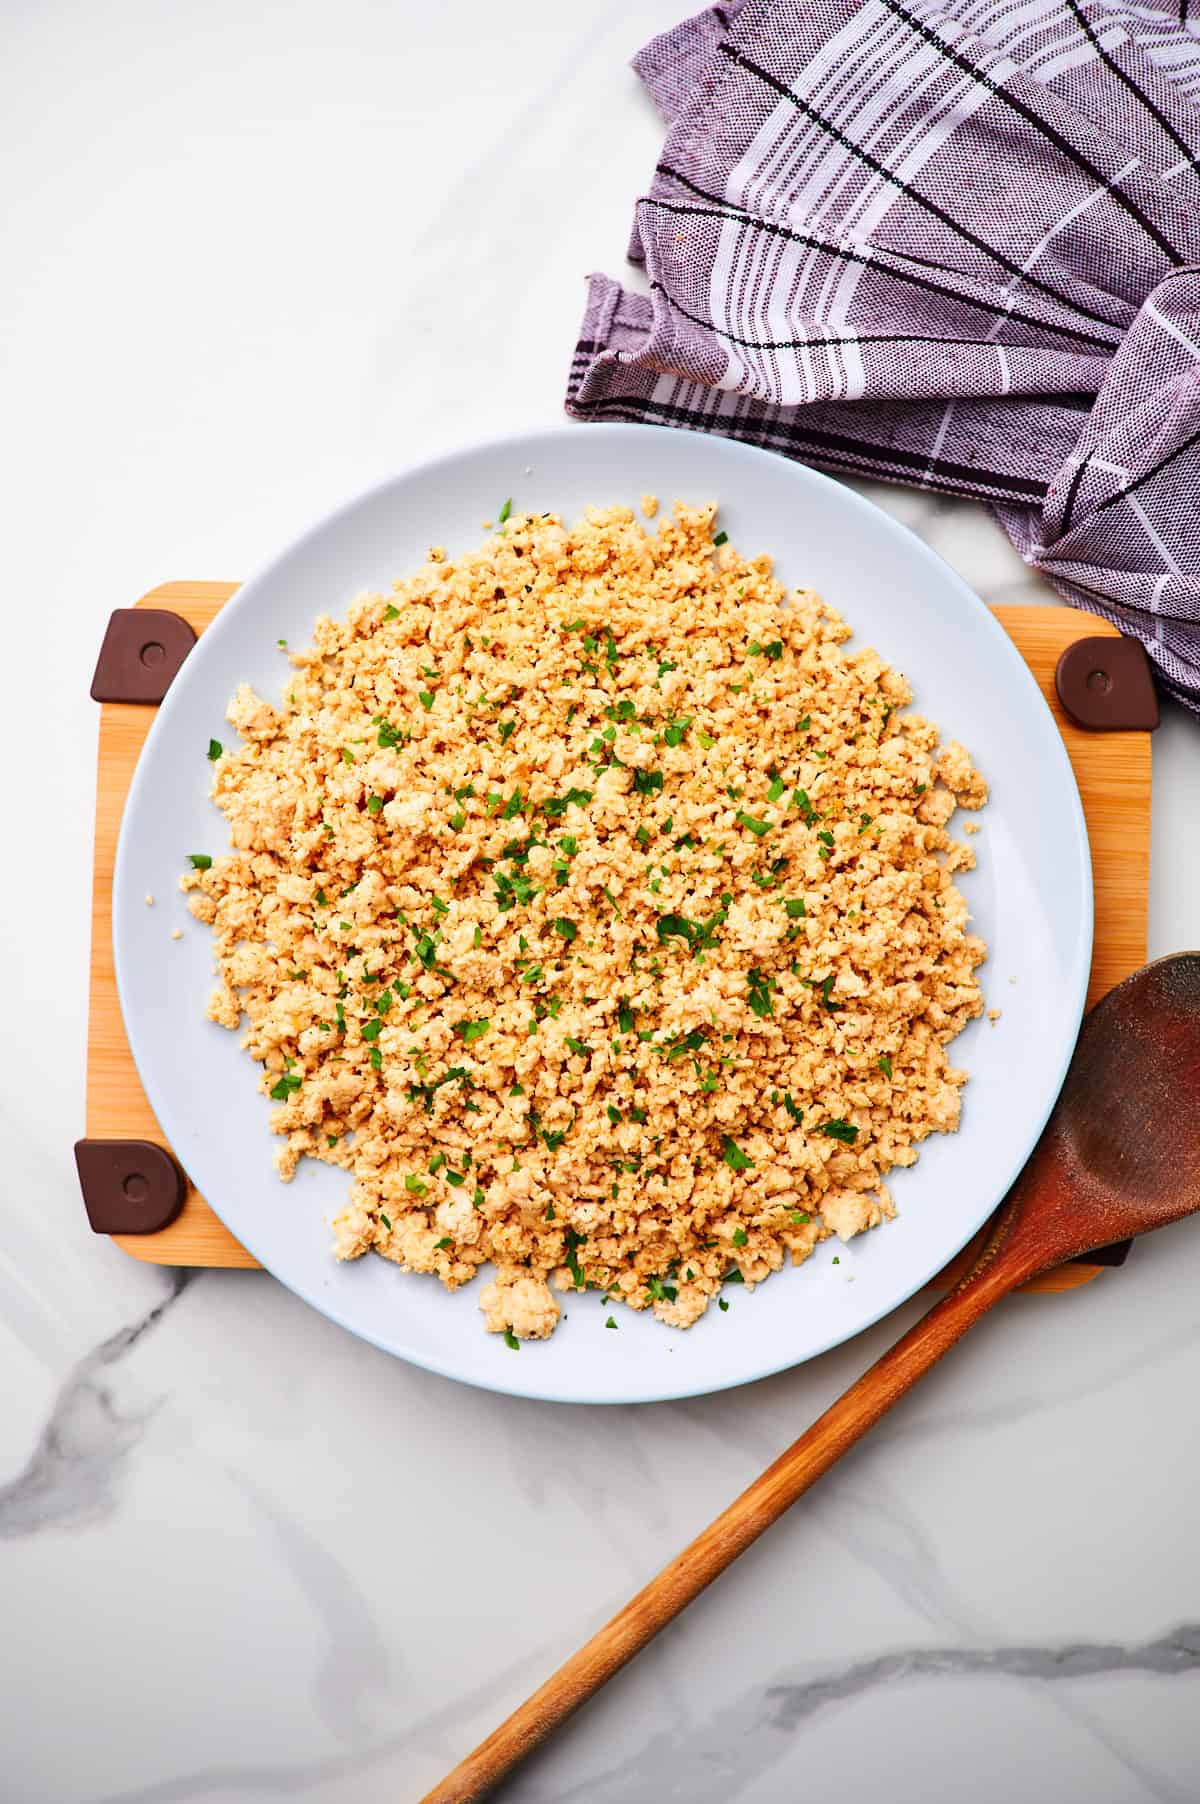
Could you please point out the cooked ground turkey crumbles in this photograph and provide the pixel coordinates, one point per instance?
(594, 910)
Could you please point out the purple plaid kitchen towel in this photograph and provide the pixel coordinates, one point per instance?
(957, 247)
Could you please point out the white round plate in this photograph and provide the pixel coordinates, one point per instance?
(1031, 899)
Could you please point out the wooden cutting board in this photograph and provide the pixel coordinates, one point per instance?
(1113, 771)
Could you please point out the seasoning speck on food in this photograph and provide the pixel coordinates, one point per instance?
(592, 906)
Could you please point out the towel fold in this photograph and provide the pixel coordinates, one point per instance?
(958, 249)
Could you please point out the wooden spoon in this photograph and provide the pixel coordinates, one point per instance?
(1120, 1155)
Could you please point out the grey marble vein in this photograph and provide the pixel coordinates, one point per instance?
(742, 1742)
(716, 1761)
(70, 1479)
(355, 1660)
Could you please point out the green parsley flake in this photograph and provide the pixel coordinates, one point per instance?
(470, 1031)
(839, 1130)
(750, 821)
(200, 861)
(215, 748)
(734, 1157)
(505, 511)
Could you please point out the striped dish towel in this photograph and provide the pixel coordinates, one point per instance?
(953, 248)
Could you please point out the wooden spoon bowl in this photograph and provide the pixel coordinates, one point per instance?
(1120, 1155)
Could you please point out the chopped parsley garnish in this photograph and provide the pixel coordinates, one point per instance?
(505, 511)
(470, 1031)
(646, 782)
(722, 538)
(701, 936)
(659, 1292)
(215, 748)
(755, 826)
(425, 699)
(565, 928)
(740, 1237)
(609, 1323)
(885, 1064)
(572, 1260)
(554, 807)
(721, 1303)
(200, 861)
(796, 1113)
(439, 1244)
(776, 790)
(794, 907)
(624, 1015)
(675, 731)
(347, 755)
(510, 1340)
(839, 1130)
(374, 804)
(286, 1086)
(733, 1277)
(414, 1184)
(376, 1059)
(734, 1157)
(579, 1047)
(758, 994)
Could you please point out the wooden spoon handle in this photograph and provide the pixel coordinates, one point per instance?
(717, 1546)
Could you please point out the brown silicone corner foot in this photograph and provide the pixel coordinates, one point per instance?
(129, 1186)
(1106, 685)
(142, 651)
(1116, 1254)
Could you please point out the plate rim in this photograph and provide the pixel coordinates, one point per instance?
(526, 444)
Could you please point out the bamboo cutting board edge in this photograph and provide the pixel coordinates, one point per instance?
(1112, 769)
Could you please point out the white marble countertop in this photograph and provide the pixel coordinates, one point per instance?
(258, 256)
